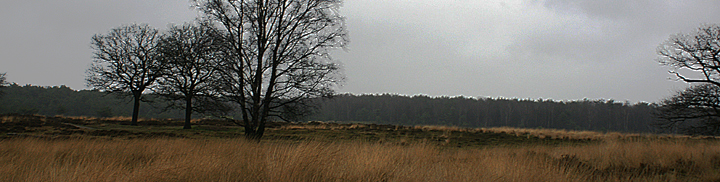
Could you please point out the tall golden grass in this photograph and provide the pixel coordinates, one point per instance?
(31, 159)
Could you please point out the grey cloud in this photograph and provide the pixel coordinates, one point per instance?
(47, 42)
(558, 49)
(612, 43)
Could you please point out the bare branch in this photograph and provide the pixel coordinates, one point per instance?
(278, 54)
(125, 61)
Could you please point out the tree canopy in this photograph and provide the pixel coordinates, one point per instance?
(694, 110)
(125, 61)
(698, 52)
(192, 54)
(278, 54)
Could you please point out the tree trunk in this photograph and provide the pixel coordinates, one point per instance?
(251, 133)
(255, 133)
(260, 130)
(136, 108)
(188, 112)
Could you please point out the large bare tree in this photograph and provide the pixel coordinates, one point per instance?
(125, 61)
(279, 54)
(694, 110)
(698, 52)
(192, 53)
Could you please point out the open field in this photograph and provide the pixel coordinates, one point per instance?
(17, 126)
(85, 149)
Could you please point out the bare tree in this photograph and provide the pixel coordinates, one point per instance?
(697, 51)
(695, 110)
(192, 53)
(125, 61)
(279, 54)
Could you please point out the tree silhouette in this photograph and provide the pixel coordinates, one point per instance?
(125, 61)
(192, 53)
(695, 110)
(698, 52)
(278, 54)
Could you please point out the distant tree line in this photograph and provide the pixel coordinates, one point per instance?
(61, 100)
(600, 115)
(3, 83)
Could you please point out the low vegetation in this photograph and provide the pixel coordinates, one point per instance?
(37, 148)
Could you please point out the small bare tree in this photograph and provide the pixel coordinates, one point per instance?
(192, 53)
(279, 54)
(698, 51)
(695, 110)
(125, 61)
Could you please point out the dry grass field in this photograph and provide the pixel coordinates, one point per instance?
(385, 156)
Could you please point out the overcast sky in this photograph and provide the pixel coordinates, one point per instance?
(551, 49)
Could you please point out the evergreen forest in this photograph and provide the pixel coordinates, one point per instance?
(597, 115)
(62, 100)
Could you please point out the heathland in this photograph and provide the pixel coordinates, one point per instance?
(39, 148)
